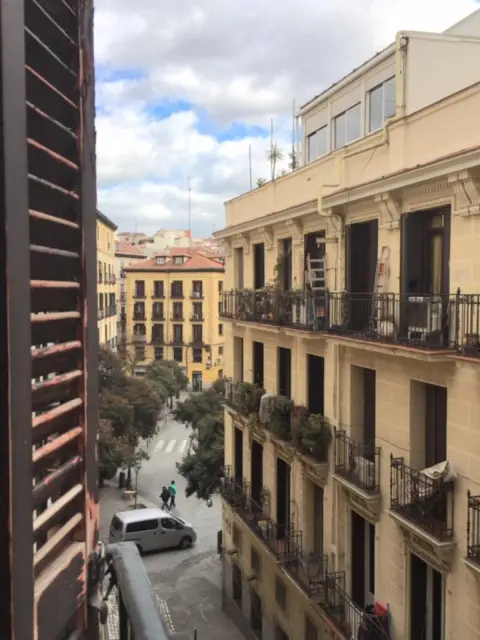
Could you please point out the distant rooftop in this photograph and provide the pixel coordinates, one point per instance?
(169, 260)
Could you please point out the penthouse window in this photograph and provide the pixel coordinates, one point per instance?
(347, 126)
(317, 143)
(381, 104)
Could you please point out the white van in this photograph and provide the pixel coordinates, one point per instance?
(151, 530)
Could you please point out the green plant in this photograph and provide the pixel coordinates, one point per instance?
(246, 397)
(314, 437)
(276, 414)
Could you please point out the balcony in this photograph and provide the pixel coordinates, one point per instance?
(100, 314)
(158, 295)
(123, 298)
(422, 502)
(158, 317)
(473, 532)
(111, 311)
(139, 295)
(468, 325)
(415, 321)
(177, 317)
(139, 614)
(139, 338)
(139, 316)
(299, 310)
(177, 294)
(357, 467)
(100, 278)
(347, 617)
(158, 339)
(111, 279)
(196, 295)
(196, 317)
(242, 398)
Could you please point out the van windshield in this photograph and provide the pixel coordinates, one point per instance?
(116, 524)
(179, 520)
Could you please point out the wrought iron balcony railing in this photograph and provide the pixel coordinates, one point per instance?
(309, 570)
(196, 317)
(139, 338)
(139, 613)
(468, 325)
(303, 310)
(243, 397)
(348, 618)
(420, 321)
(101, 314)
(139, 315)
(357, 463)
(473, 528)
(197, 295)
(158, 317)
(158, 339)
(425, 500)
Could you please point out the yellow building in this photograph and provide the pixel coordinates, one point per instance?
(385, 345)
(106, 281)
(173, 313)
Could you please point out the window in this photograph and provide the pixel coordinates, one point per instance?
(317, 144)
(177, 289)
(143, 525)
(197, 289)
(139, 311)
(177, 354)
(220, 329)
(381, 104)
(197, 311)
(157, 333)
(178, 260)
(280, 594)
(161, 260)
(220, 308)
(158, 353)
(168, 523)
(220, 351)
(140, 353)
(255, 562)
(158, 289)
(157, 310)
(347, 127)
(139, 329)
(197, 355)
(220, 287)
(177, 333)
(178, 311)
(198, 334)
(139, 288)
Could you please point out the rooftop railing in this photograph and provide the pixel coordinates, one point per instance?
(139, 614)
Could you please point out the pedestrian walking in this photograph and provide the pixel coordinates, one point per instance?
(173, 492)
(165, 497)
(113, 576)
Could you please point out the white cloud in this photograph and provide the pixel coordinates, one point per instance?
(237, 61)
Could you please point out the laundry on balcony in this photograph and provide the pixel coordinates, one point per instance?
(363, 470)
(424, 484)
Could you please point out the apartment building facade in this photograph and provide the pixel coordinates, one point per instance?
(125, 255)
(106, 282)
(352, 488)
(173, 307)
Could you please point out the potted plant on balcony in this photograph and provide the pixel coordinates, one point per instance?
(246, 397)
(275, 413)
(313, 436)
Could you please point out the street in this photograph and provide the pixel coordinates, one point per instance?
(187, 583)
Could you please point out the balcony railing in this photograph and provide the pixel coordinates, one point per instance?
(473, 529)
(101, 314)
(196, 295)
(177, 294)
(158, 317)
(420, 321)
(158, 339)
(177, 317)
(302, 310)
(111, 311)
(468, 325)
(139, 294)
(357, 463)
(243, 396)
(196, 317)
(348, 618)
(139, 338)
(426, 497)
(139, 614)
(159, 295)
(309, 570)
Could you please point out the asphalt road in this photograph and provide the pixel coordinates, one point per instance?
(165, 451)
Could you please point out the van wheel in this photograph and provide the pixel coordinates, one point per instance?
(185, 542)
(140, 550)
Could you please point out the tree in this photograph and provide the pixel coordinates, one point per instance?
(261, 182)
(203, 463)
(274, 155)
(292, 160)
(146, 400)
(168, 375)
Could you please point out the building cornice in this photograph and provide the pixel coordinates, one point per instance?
(389, 184)
(278, 217)
(101, 217)
(177, 272)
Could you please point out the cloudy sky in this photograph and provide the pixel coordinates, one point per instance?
(183, 89)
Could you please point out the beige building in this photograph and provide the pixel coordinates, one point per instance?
(380, 529)
(106, 281)
(126, 254)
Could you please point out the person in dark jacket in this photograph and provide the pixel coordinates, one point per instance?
(165, 497)
(113, 576)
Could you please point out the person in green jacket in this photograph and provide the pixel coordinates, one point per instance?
(173, 492)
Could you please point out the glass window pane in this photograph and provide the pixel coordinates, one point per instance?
(389, 98)
(312, 146)
(339, 131)
(375, 116)
(322, 142)
(353, 129)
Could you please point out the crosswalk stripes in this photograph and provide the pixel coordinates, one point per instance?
(171, 446)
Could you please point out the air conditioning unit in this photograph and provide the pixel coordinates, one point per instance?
(424, 316)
